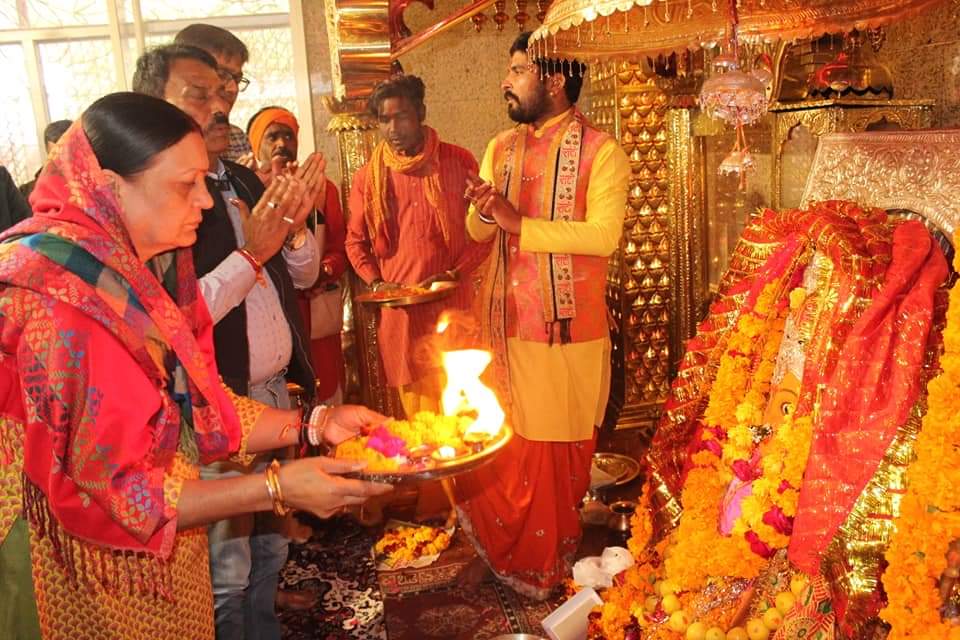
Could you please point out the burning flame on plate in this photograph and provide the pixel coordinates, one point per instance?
(465, 393)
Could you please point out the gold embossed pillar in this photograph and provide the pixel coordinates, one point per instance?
(360, 55)
(651, 277)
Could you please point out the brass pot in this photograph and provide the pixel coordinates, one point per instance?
(621, 512)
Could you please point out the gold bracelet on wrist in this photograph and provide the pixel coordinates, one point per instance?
(273, 488)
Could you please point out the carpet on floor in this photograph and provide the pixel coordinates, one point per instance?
(335, 564)
(410, 604)
(464, 613)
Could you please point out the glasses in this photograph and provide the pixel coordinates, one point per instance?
(242, 81)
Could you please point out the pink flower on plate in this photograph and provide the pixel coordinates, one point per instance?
(386, 443)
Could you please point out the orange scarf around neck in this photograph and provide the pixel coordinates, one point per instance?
(376, 209)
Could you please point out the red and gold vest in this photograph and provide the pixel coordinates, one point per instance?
(525, 305)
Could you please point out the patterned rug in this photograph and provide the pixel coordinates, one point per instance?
(336, 564)
(420, 604)
(464, 613)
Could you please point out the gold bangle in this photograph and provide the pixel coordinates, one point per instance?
(273, 482)
(270, 492)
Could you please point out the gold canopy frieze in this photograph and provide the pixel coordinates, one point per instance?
(601, 29)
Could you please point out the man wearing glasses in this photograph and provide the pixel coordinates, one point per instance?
(550, 199)
(231, 54)
(252, 253)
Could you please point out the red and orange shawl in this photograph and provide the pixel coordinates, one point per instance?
(97, 455)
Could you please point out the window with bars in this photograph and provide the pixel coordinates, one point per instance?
(58, 56)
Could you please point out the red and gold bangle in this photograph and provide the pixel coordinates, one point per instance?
(255, 264)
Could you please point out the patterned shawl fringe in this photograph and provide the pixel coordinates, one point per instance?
(114, 571)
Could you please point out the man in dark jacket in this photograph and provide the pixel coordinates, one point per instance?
(51, 134)
(13, 207)
(252, 251)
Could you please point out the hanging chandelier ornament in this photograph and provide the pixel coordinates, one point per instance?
(735, 98)
(738, 162)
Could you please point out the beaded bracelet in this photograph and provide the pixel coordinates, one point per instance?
(273, 488)
(317, 423)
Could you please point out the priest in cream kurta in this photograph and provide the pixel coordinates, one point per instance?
(550, 200)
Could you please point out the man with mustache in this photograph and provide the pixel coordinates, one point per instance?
(252, 253)
(273, 133)
(551, 202)
(231, 54)
(406, 227)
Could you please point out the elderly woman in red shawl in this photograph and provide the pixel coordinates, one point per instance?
(110, 398)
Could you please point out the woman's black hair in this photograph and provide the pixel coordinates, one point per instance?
(126, 130)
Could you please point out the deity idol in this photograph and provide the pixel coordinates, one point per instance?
(775, 476)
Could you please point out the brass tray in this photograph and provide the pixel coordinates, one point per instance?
(405, 297)
(431, 469)
(623, 468)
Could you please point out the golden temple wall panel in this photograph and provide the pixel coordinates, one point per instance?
(923, 55)
(649, 277)
(318, 66)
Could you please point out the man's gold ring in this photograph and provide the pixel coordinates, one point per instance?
(272, 204)
(287, 220)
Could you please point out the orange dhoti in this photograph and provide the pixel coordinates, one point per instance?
(521, 511)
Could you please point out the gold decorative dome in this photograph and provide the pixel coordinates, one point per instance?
(598, 29)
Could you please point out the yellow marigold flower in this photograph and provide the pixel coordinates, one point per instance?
(797, 297)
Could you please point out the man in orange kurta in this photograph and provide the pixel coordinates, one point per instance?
(406, 227)
(551, 204)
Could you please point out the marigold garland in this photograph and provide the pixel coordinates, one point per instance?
(698, 550)
(749, 412)
(930, 511)
(641, 527)
(783, 462)
(402, 545)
